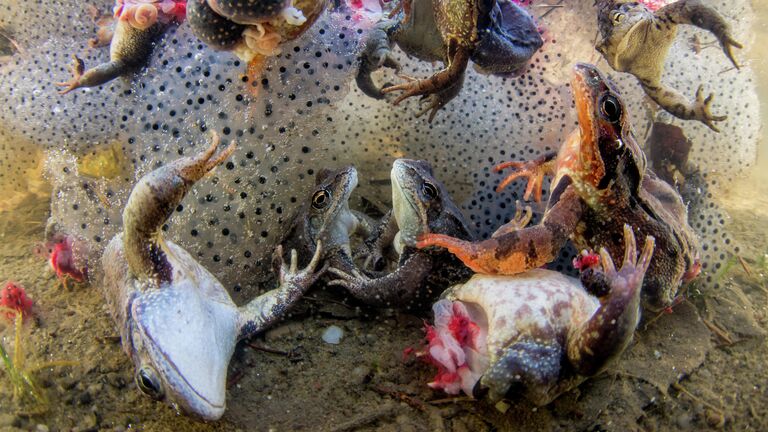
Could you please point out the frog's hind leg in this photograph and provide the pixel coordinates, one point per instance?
(457, 62)
(695, 13)
(153, 200)
(679, 106)
(610, 329)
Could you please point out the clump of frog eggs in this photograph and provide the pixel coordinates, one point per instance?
(308, 115)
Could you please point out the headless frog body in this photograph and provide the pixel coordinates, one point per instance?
(177, 322)
(601, 183)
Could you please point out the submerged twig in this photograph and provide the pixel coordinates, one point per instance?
(401, 396)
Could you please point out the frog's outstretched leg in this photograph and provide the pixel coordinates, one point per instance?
(679, 106)
(608, 332)
(693, 12)
(534, 170)
(131, 47)
(457, 62)
(396, 288)
(517, 251)
(153, 200)
(267, 308)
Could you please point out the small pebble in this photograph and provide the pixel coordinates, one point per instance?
(714, 419)
(657, 354)
(41, 428)
(333, 334)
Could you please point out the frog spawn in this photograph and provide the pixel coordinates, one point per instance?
(306, 118)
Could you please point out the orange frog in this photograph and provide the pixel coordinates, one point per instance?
(600, 184)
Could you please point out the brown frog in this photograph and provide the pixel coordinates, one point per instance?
(601, 183)
(637, 40)
(138, 25)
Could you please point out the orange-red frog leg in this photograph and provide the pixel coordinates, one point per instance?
(519, 250)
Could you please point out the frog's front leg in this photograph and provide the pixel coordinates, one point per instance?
(396, 288)
(267, 308)
(517, 251)
(376, 54)
(381, 236)
(693, 12)
(458, 58)
(608, 332)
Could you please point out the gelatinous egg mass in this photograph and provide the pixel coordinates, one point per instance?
(308, 115)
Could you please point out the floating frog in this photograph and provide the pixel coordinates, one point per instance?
(326, 217)
(176, 320)
(497, 35)
(420, 204)
(600, 183)
(536, 334)
(637, 40)
(252, 30)
(139, 24)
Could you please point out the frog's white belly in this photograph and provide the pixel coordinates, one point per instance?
(541, 304)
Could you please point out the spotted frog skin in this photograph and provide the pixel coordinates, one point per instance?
(177, 322)
(420, 204)
(536, 334)
(600, 183)
(637, 40)
(138, 26)
(497, 35)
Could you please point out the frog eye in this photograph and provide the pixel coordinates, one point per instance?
(429, 190)
(321, 199)
(617, 18)
(610, 108)
(148, 383)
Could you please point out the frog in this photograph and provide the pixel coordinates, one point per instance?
(601, 182)
(497, 35)
(325, 216)
(537, 334)
(636, 40)
(138, 25)
(254, 31)
(177, 322)
(420, 204)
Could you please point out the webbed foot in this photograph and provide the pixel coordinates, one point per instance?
(519, 221)
(633, 269)
(702, 109)
(77, 69)
(534, 171)
(432, 103)
(610, 329)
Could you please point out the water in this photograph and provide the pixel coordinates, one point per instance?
(69, 163)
